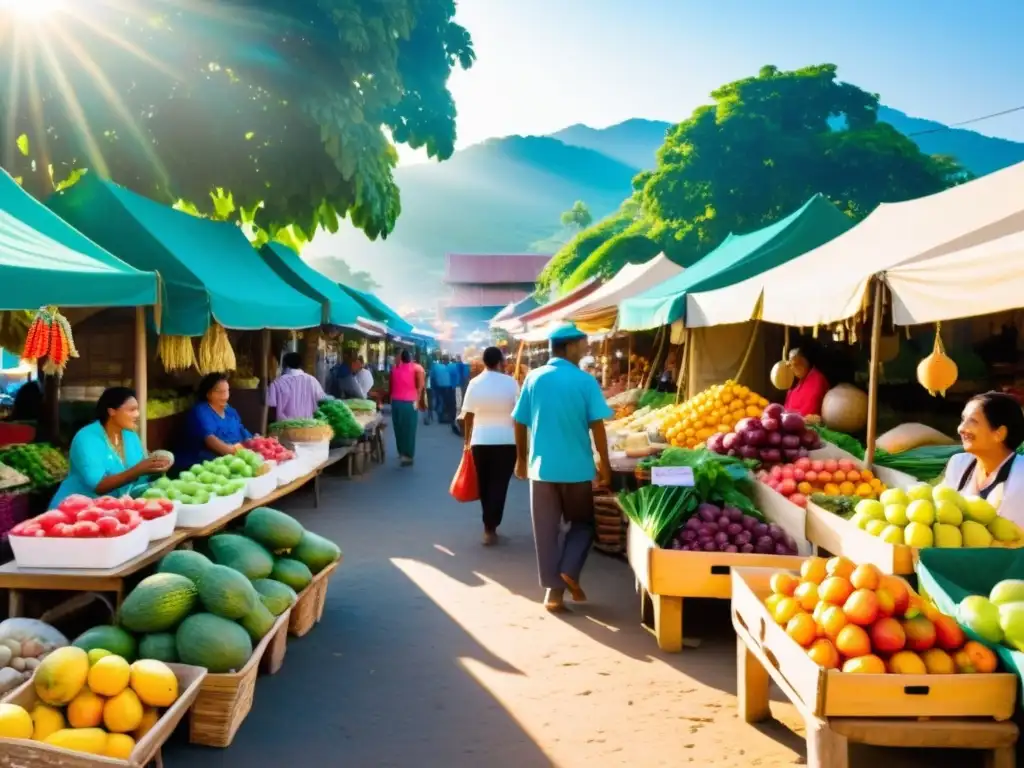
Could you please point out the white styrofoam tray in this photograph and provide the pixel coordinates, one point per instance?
(93, 554)
(261, 486)
(289, 471)
(162, 527)
(200, 515)
(313, 454)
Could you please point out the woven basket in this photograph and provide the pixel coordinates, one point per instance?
(609, 525)
(309, 607)
(643, 476)
(224, 700)
(304, 434)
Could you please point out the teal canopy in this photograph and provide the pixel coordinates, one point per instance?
(46, 261)
(379, 311)
(338, 307)
(208, 267)
(738, 258)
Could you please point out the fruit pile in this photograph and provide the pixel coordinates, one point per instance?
(854, 618)
(210, 611)
(24, 643)
(93, 702)
(223, 476)
(41, 463)
(832, 477)
(715, 410)
(79, 517)
(778, 436)
(269, 448)
(340, 418)
(727, 529)
(923, 516)
(998, 618)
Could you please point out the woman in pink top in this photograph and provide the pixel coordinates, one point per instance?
(407, 382)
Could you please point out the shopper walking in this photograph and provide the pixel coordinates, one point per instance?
(441, 390)
(558, 410)
(407, 383)
(490, 434)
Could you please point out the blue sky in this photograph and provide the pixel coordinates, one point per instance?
(545, 64)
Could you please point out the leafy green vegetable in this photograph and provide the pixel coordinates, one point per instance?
(839, 439)
(341, 419)
(924, 463)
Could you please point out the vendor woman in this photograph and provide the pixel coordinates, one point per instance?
(213, 428)
(991, 430)
(107, 457)
(809, 390)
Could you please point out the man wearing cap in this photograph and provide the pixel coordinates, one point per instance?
(558, 409)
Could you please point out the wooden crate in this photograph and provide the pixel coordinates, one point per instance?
(224, 700)
(309, 607)
(16, 753)
(841, 537)
(666, 576)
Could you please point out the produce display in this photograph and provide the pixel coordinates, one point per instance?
(222, 476)
(806, 478)
(24, 643)
(211, 610)
(341, 419)
(727, 529)
(926, 516)
(41, 463)
(79, 517)
(997, 617)
(94, 702)
(357, 405)
(163, 403)
(775, 437)
(215, 352)
(269, 448)
(716, 410)
(49, 337)
(925, 461)
(855, 619)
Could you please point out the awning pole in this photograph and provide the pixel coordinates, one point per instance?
(264, 375)
(876, 335)
(141, 372)
(629, 359)
(684, 363)
(519, 358)
(659, 343)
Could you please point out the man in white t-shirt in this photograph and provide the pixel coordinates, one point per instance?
(489, 433)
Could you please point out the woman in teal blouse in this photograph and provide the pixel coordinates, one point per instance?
(107, 457)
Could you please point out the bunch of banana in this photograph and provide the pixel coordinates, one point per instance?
(176, 353)
(215, 352)
(49, 336)
(14, 327)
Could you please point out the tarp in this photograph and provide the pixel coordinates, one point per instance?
(44, 260)
(513, 311)
(980, 280)
(338, 307)
(738, 258)
(596, 312)
(830, 283)
(207, 267)
(378, 310)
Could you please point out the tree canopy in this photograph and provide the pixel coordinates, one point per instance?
(765, 146)
(281, 113)
(578, 217)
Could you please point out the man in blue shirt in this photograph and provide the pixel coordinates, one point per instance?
(559, 408)
(441, 390)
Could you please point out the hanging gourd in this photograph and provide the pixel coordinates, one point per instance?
(782, 375)
(937, 372)
(49, 338)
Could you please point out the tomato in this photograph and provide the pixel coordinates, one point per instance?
(108, 525)
(74, 503)
(121, 530)
(63, 530)
(123, 515)
(49, 519)
(107, 502)
(787, 487)
(91, 514)
(167, 505)
(86, 530)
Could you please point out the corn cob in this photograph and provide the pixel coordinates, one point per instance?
(215, 352)
(50, 337)
(176, 353)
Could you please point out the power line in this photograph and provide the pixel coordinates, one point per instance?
(968, 122)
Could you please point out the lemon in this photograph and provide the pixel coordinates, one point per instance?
(46, 720)
(119, 745)
(109, 676)
(15, 722)
(123, 713)
(154, 682)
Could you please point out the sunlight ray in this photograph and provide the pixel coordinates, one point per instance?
(14, 89)
(128, 46)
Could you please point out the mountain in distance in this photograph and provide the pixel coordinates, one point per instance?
(506, 196)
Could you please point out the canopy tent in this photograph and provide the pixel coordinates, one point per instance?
(338, 307)
(379, 311)
(597, 312)
(738, 258)
(542, 315)
(47, 261)
(208, 267)
(510, 314)
(830, 283)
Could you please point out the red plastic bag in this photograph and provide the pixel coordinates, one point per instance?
(464, 487)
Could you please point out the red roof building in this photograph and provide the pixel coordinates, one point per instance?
(481, 285)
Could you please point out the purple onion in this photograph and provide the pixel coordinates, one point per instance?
(765, 544)
(771, 455)
(790, 542)
(802, 453)
(746, 548)
(790, 441)
(693, 524)
(790, 454)
(755, 437)
(809, 438)
(709, 513)
(730, 548)
(731, 441)
(775, 531)
(688, 535)
(735, 515)
(749, 452)
(711, 547)
(734, 529)
(711, 528)
(723, 522)
(742, 538)
(793, 423)
(774, 439)
(769, 424)
(748, 522)
(774, 411)
(747, 424)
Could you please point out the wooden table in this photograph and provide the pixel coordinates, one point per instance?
(17, 580)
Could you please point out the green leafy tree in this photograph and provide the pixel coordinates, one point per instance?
(577, 217)
(760, 151)
(278, 113)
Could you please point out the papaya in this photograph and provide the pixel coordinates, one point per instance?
(61, 675)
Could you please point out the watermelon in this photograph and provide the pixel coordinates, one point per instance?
(226, 592)
(274, 530)
(205, 640)
(315, 551)
(258, 622)
(109, 638)
(158, 603)
(276, 596)
(291, 573)
(186, 562)
(241, 553)
(160, 646)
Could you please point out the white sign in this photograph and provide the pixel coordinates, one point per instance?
(672, 476)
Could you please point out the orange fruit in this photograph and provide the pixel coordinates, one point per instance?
(784, 583)
(835, 590)
(824, 654)
(868, 664)
(832, 621)
(853, 641)
(802, 629)
(861, 607)
(772, 601)
(807, 595)
(907, 663)
(785, 610)
(813, 569)
(981, 656)
(938, 662)
(865, 577)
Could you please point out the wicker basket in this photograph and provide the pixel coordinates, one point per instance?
(309, 607)
(318, 434)
(609, 525)
(17, 753)
(224, 700)
(642, 475)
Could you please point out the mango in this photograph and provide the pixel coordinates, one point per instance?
(948, 513)
(892, 534)
(921, 511)
(893, 496)
(896, 514)
(920, 492)
(123, 713)
(109, 676)
(975, 534)
(46, 720)
(85, 710)
(979, 510)
(870, 509)
(119, 745)
(875, 527)
(947, 536)
(15, 722)
(1011, 621)
(918, 535)
(1007, 591)
(61, 675)
(1004, 530)
(943, 493)
(981, 616)
(92, 741)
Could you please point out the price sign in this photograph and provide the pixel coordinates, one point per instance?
(672, 476)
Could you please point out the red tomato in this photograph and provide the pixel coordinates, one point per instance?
(831, 465)
(787, 487)
(799, 475)
(74, 503)
(49, 519)
(799, 499)
(121, 530)
(167, 505)
(107, 502)
(63, 530)
(107, 525)
(91, 514)
(123, 515)
(86, 530)
(817, 466)
(803, 463)
(787, 472)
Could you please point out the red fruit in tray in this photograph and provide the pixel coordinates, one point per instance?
(107, 525)
(122, 515)
(787, 487)
(63, 531)
(91, 514)
(86, 530)
(49, 519)
(920, 633)
(167, 505)
(107, 502)
(19, 529)
(75, 503)
(121, 530)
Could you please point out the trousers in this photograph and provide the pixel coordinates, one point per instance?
(549, 504)
(494, 466)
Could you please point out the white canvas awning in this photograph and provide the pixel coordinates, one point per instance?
(828, 284)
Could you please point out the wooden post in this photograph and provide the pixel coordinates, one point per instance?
(684, 363)
(519, 358)
(629, 358)
(264, 375)
(876, 335)
(141, 371)
(659, 345)
(691, 351)
(604, 364)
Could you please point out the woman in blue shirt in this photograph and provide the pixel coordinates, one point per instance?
(213, 428)
(107, 457)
